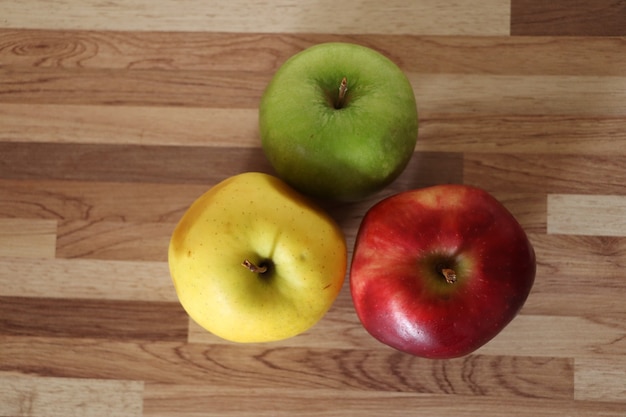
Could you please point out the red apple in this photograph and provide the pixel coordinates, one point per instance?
(438, 272)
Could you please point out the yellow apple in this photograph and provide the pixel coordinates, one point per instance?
(253, 260)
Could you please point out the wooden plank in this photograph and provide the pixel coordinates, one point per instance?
(22, 395)
(250, 367)
(529, 210)
(545, 134)
(123, 241)
(578, 275)
(217, 127)
(600, 379)
(559, 336)
(240, 89)
(162, 400)
(520, 95)
(97, 319)
(473, 17)
(436, 93)
(568, 18)
(598, 215)
(97, 201)
(131, 125)
(28, 238)
(182, 164)
(550, 174)
(265, 52)
(128, 163)
(562, 336)
(86, 280)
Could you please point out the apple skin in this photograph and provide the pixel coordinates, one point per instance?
(345, 153)
(399, 291)
(256, 217)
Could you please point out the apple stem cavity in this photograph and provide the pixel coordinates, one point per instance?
(343, 89)
(449, 274)
(254, 268)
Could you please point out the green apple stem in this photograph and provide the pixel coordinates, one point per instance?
(254, 268)
(343, 89)
(449, 275)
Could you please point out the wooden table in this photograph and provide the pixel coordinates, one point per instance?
(115, 116)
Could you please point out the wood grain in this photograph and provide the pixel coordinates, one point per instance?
(60, 397)
(86, 279)
(595, 215)
(262, 52)
(28, 238)
(568, 18)
(490, 17)
(116, 116)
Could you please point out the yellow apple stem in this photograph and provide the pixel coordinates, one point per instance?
(343, 89)
(449, 275)
(253, 268)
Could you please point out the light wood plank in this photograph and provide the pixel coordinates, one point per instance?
(600, 379)
(472, 17)
(520, 95)
(599, 215)
(86, 279)
(578, 275)
(559, 336)
(133, 125)
(63, 397)
(28, 238)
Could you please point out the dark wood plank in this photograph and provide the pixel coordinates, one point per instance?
(127, 163)
(516, 134)
(179, 164)
(568, 18)
(123, 87)
(542, 173)
(96, 201)
(190, 400)
(92, 319)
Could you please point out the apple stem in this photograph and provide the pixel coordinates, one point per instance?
(343, 89)
(253, 268)
(449, 275)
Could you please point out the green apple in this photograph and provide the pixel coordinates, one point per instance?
(338, 121)
(253, 260)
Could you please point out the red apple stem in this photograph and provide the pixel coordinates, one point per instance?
(343, 89)
(449, 275)
(254, 268)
